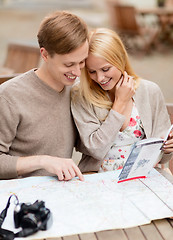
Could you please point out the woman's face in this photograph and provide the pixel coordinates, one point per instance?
(102, 72)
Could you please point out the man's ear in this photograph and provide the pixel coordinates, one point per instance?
(44, 54)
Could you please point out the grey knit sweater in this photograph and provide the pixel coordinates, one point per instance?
(34, 120)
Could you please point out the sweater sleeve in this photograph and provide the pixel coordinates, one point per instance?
(96, 136)
(8, 126)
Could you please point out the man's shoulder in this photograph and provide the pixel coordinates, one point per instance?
(16, 87)
(15, 82)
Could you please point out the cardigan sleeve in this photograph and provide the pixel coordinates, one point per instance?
(96, 136)
(161, 121)
(152, 108)
(8, 128)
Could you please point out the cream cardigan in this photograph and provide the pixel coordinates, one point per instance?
(97, 136)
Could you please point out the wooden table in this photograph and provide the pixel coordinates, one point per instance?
(165, 19)
(157, 230)
(159, 11)
(161, 229)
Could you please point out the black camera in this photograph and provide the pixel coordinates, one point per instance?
(33, 216)
(30, 217)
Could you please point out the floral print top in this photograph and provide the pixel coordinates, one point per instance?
(120, 150)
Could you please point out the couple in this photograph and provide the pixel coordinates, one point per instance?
(111, 105)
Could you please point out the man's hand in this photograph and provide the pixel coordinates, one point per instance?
(63, 168)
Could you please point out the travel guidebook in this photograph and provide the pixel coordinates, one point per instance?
(144, 155)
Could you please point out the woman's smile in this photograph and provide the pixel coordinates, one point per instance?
(105, 83)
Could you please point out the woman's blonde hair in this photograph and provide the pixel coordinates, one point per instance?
(104, 43)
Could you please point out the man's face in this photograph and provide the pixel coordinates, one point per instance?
(63, 69)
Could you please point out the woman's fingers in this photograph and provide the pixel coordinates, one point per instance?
(168, 146)
(120, 81)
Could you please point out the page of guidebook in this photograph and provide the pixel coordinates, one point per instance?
(144, 155)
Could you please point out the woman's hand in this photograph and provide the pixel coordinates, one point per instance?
(125, 88)
(124, 92)
(168, 146)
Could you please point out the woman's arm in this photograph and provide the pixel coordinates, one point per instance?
(162, 124)
(96, 135)
(152, 109)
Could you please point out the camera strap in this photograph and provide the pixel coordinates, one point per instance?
(4, 212)
(9, 235)
(4, 233)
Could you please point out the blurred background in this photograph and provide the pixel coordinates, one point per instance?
(145, 27)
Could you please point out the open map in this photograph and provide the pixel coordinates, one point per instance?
(98, 203)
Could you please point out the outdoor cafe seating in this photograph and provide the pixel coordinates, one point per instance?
(20, 58)
(136, 30)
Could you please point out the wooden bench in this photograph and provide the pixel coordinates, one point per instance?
(21, 58)
(5, 77)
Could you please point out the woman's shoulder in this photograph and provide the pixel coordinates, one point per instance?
(148, 85)
(76, 95)
(75, 87)
(75, 91)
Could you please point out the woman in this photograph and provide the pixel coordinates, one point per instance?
(114, 108)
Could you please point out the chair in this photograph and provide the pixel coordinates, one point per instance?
(21, 58)
(110, 8)
(134, 31)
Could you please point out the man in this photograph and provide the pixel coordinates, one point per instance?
(37, 133)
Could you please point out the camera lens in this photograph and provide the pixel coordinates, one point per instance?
(29, 221)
